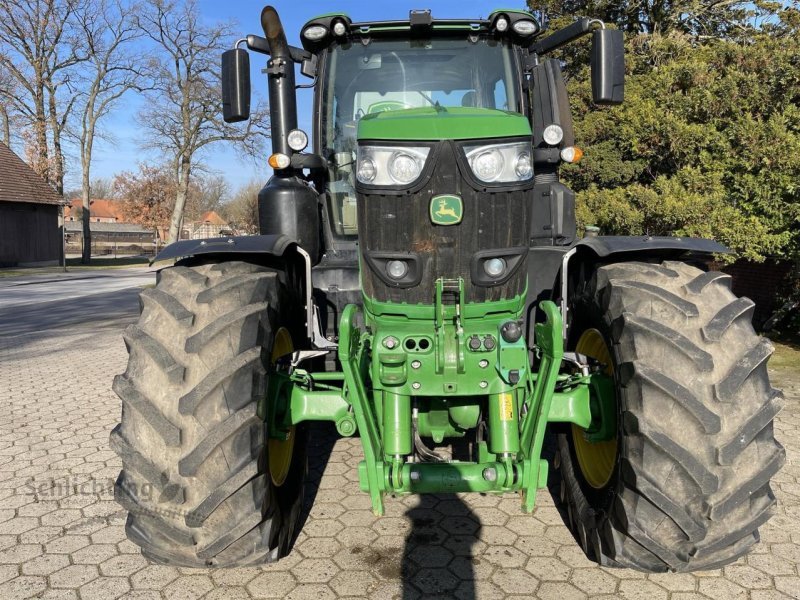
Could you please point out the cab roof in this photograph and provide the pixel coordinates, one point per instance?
(420, 23)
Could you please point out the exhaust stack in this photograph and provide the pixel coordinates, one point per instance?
(280, 76)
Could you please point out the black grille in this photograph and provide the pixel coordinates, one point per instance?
(394, 223)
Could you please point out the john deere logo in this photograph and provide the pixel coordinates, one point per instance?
(446, 210)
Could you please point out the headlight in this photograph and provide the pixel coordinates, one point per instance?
(366, 170)
(390, 166)
(525, 28)
(501, 163)
(397, 269)
(487, 164)
(315, 33)
(297, 140)
(494, 267)
(404, 168)
(553, 134)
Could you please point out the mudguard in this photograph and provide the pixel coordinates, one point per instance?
(265, 245)
(546, 264)
(604, 246)
(274, 245)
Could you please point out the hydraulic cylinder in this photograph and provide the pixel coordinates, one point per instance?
(503, 423)
(396, 424)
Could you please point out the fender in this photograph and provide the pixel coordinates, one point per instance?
(549, 266)
(272, 245)
(277, 246)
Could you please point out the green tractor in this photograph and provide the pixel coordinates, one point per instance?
(418, 282)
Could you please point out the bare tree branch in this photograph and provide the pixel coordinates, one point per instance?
(182, 117)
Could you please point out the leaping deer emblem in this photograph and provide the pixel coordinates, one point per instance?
(444, 210)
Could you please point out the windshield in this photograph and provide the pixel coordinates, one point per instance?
(400, 74)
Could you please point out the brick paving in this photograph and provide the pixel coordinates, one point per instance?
(61, 533)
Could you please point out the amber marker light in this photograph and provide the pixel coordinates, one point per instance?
(571, 154)
(279, 161)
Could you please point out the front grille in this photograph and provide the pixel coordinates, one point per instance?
(493, 219)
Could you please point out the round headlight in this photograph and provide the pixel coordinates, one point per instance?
(523, 166)
(315, 33)
(339, 28)
(525, 27)
(297, 139)
(488, 165)
(501, 24)
(494, 267)
(396, 269)
(553, 134)
(403, 168)
(366, 170)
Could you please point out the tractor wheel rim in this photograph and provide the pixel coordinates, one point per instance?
(595, 459)
(280, 452)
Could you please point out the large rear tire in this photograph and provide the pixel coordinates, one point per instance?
(195, 472)
(687, 485)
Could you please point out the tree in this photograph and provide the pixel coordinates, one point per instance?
(184, 115)
(700, 18)
(206, 193)
(706, 144)
(111, 70)
(38, 50)
(147, 196)
(241, 211)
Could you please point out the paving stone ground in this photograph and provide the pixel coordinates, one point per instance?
(61, 533)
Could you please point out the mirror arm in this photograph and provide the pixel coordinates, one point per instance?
(564, 36)
(256, 43)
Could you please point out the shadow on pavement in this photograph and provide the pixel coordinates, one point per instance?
(321, 438)
(120, 308)
(436, 533)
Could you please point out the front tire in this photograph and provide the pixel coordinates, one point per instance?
(695, 450)
(195, 471)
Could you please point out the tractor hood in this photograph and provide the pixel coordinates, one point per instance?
(440, 123)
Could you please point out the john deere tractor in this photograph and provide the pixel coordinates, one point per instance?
(418, 282)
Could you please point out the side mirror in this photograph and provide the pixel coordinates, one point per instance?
(608, 66)
(235, 85)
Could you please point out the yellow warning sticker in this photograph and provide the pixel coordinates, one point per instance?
(506, 407)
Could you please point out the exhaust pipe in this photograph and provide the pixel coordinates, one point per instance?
(280, 77)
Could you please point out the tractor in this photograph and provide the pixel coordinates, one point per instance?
(418, 282)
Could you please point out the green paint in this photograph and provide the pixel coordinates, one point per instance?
(510, 11)
(551, 347)
(325, 17)
(353, 359)
(440, 123)
(446, 209)
(399, 312)
(503, 417)
(396, 424)
(603, 402)
(571, 407)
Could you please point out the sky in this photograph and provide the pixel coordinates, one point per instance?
(123, 151)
